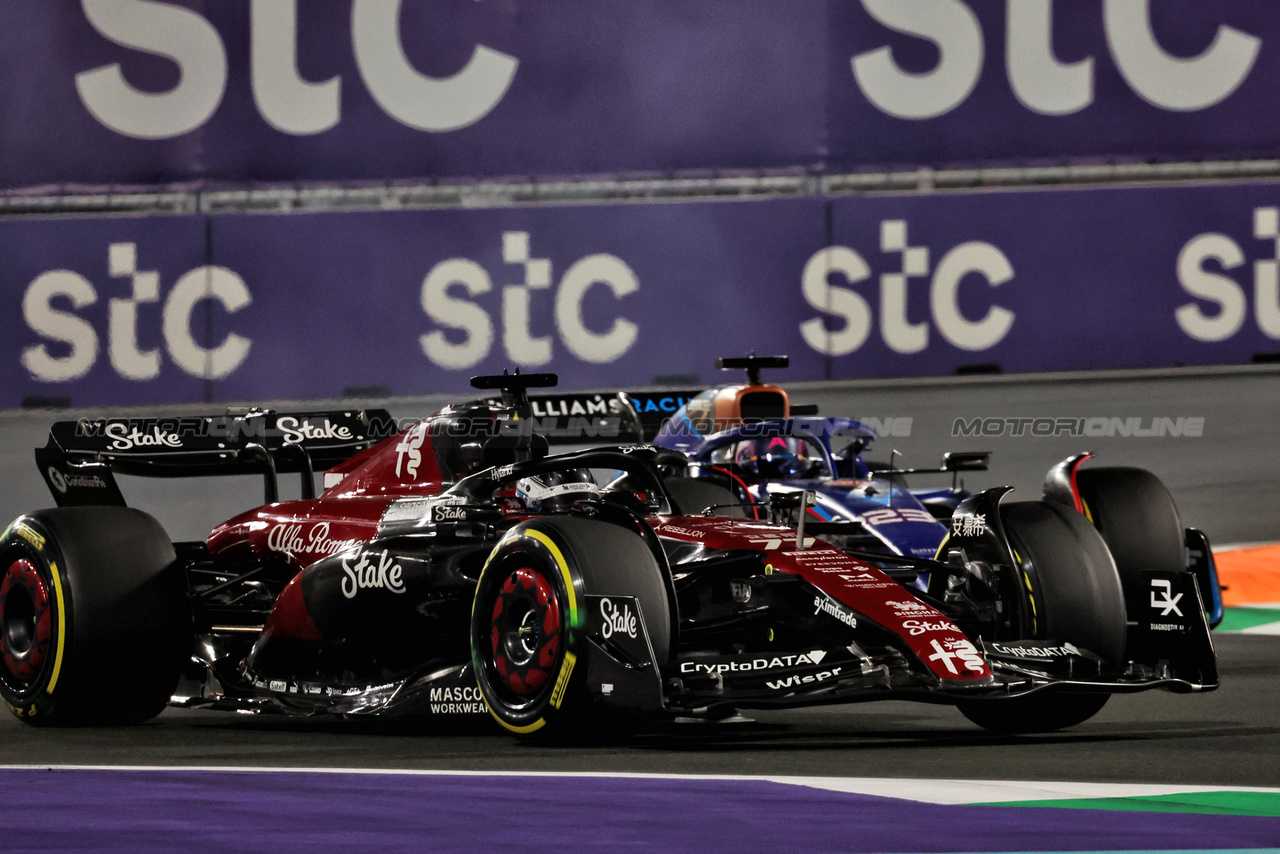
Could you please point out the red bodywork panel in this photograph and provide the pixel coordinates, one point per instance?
(289, 617)
(936, 640)
(299, 533)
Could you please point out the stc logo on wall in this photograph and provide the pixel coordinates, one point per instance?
(582, 310)
(290, 103)
(847, 322)
(465, 333)
(68, 345)
(1228, 300)
(287, 101)
(1039, 80)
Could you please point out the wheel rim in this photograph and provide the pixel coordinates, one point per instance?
(524, 636)
(26, 623)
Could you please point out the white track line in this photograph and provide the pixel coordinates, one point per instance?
(926, 791)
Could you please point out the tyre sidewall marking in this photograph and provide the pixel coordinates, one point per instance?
(562, 681)
(561, 565)
(568, 660)
(937, 554)
(62, 628)
(42, 549)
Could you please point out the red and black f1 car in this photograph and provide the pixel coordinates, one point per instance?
(457, 568)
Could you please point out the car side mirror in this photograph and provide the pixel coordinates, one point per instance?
(966, 461)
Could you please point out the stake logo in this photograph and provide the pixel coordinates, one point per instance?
(296, 432)
(366, 573)
(617, 619)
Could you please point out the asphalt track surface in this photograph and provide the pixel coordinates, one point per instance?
(1228, 737)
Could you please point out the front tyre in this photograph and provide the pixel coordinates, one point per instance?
(528, 623)
(1067, 591)
(95, 625)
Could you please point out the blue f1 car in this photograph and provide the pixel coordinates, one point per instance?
(754, 441)
(749, 448)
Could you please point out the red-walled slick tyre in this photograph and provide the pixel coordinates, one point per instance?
(95, 625)
(528, 623)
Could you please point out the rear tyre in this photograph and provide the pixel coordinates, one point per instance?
(95, 623)
(1068, 591)
(693, 495)
(528, 620)
(1138, 520)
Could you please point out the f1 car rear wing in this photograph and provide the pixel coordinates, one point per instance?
(81, 457)
(633, 416)
(600, 418)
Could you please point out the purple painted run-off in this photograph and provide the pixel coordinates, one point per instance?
(221, 810)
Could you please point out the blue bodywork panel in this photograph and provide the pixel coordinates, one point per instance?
(824, 457)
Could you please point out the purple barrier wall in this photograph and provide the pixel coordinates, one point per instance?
(144, 92)
(1050, 281)
(251, 307)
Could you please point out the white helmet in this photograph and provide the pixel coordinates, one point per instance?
(556, 490)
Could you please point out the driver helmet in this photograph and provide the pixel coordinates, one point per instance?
(777, 457)
(557, 490)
